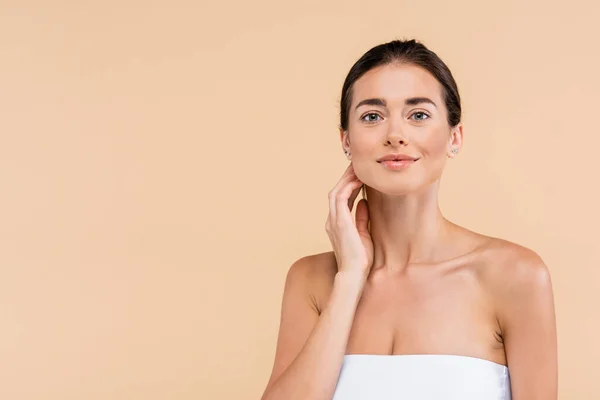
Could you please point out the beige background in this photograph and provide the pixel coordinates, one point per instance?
(163, 163)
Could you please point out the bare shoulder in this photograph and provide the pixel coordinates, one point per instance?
(511, 263)
(316, 272)
(315, 268)
(521, 288)
(517, 279)
(306, 281)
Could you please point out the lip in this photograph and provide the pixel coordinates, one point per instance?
(397, 157)
(397, 165)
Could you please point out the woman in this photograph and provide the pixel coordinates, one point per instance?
(409, 305)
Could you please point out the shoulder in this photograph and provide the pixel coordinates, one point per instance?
(521, 288)
(314, 266)
(316, 274)
(512, 264)
(517, 278)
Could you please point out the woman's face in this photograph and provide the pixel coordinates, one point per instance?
(386, 116)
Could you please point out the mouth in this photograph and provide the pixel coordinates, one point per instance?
(397, 164)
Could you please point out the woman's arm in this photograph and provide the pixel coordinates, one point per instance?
(311, 347)
(527, 319)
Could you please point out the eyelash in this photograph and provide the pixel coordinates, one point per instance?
(416, 112)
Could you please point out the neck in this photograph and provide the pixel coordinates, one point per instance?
(406, 229)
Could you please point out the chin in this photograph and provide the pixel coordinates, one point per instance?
(402, 185)
(396, 187)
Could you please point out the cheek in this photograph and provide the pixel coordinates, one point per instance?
(433, 145)
(435, 159)
(365, 147)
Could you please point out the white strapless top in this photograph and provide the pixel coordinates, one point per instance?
(421, 377)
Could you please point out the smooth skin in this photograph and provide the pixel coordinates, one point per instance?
(402, 279)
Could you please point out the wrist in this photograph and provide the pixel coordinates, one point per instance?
(351, 278)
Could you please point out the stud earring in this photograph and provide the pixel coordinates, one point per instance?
(454, 151)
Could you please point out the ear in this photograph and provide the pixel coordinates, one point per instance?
(345, 139)
(456, 140)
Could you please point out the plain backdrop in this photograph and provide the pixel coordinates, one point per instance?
(163, 163)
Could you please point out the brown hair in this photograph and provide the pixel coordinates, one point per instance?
(409, 52)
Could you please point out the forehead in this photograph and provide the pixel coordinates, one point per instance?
(395, 82)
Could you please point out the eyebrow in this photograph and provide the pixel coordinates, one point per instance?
(411, 101)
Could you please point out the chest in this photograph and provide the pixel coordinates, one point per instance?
(449, 314)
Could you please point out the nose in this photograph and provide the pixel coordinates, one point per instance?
(395, 136)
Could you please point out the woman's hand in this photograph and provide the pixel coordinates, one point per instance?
(352, 243)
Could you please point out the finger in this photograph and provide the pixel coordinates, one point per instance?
(353, 196)
(343, 196)
(346, 177)
(348, 171)
(351, 187)
(362, 217)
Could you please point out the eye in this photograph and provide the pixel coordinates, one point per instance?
(369, 120)
(422, 115)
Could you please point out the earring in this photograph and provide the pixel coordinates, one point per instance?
(455, 150)
(347, 154)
